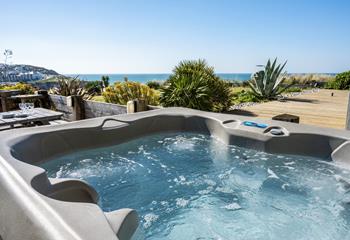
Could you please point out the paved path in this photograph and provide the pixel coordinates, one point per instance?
(320, 108)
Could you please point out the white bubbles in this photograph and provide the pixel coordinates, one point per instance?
(288, 163)
(284, 186)
(225, 189)
(149, 218)
(272, 174)
(180, 202)
(233, 206)
(181, 180)
(59, 173)
(182, 143)
(88, 160)
(210, 182)
(191, 186)
(204, 192)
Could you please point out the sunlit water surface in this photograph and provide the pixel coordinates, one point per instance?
(192, 186)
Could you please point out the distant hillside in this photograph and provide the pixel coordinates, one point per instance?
(22, 72)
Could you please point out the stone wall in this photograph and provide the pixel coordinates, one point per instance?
(92, 109)
(99, 109)
(59, 103)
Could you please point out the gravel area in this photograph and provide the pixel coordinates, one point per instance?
(280, 98)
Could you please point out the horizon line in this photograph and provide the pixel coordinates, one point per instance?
(215, 73)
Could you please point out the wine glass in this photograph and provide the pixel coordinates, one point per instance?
(29, 107)
(22, 106)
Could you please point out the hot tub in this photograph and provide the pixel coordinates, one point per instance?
(36, 204)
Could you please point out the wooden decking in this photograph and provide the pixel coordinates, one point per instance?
(319, 108)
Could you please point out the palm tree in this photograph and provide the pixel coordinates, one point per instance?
(105, 82)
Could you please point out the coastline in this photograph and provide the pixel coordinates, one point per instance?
(143, 78)
(146, 77)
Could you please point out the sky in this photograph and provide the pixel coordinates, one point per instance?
(152, 36)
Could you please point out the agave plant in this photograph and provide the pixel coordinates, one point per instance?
(267, 84)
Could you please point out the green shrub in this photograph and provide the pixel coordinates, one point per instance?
(245, 84)
(341, 81)
(194, 84)
(154, 84)
(244, 96)
(235, 83)
(98, 99)
(331, 85)
(122, 92)
(309, 79)
(94, 87)
(23, 87)
(266, 84)
(293, 89)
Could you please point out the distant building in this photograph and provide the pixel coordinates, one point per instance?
(24, 73)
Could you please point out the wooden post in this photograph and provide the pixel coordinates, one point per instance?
(130, 107)
(137, 105)
(44, 101)
(141, 105)
(347, 123)
(78, 108)
(4, 101)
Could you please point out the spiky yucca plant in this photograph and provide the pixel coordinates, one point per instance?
(68, 86)
(266, 84)
(194, 84)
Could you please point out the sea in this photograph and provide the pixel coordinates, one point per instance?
(146, 77)
(143, 78)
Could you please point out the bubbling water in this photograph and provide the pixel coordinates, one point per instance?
(192, 186)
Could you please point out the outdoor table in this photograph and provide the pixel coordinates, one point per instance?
(40, 115)
(27, 97)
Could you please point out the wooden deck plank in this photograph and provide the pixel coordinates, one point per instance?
(319, 108)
